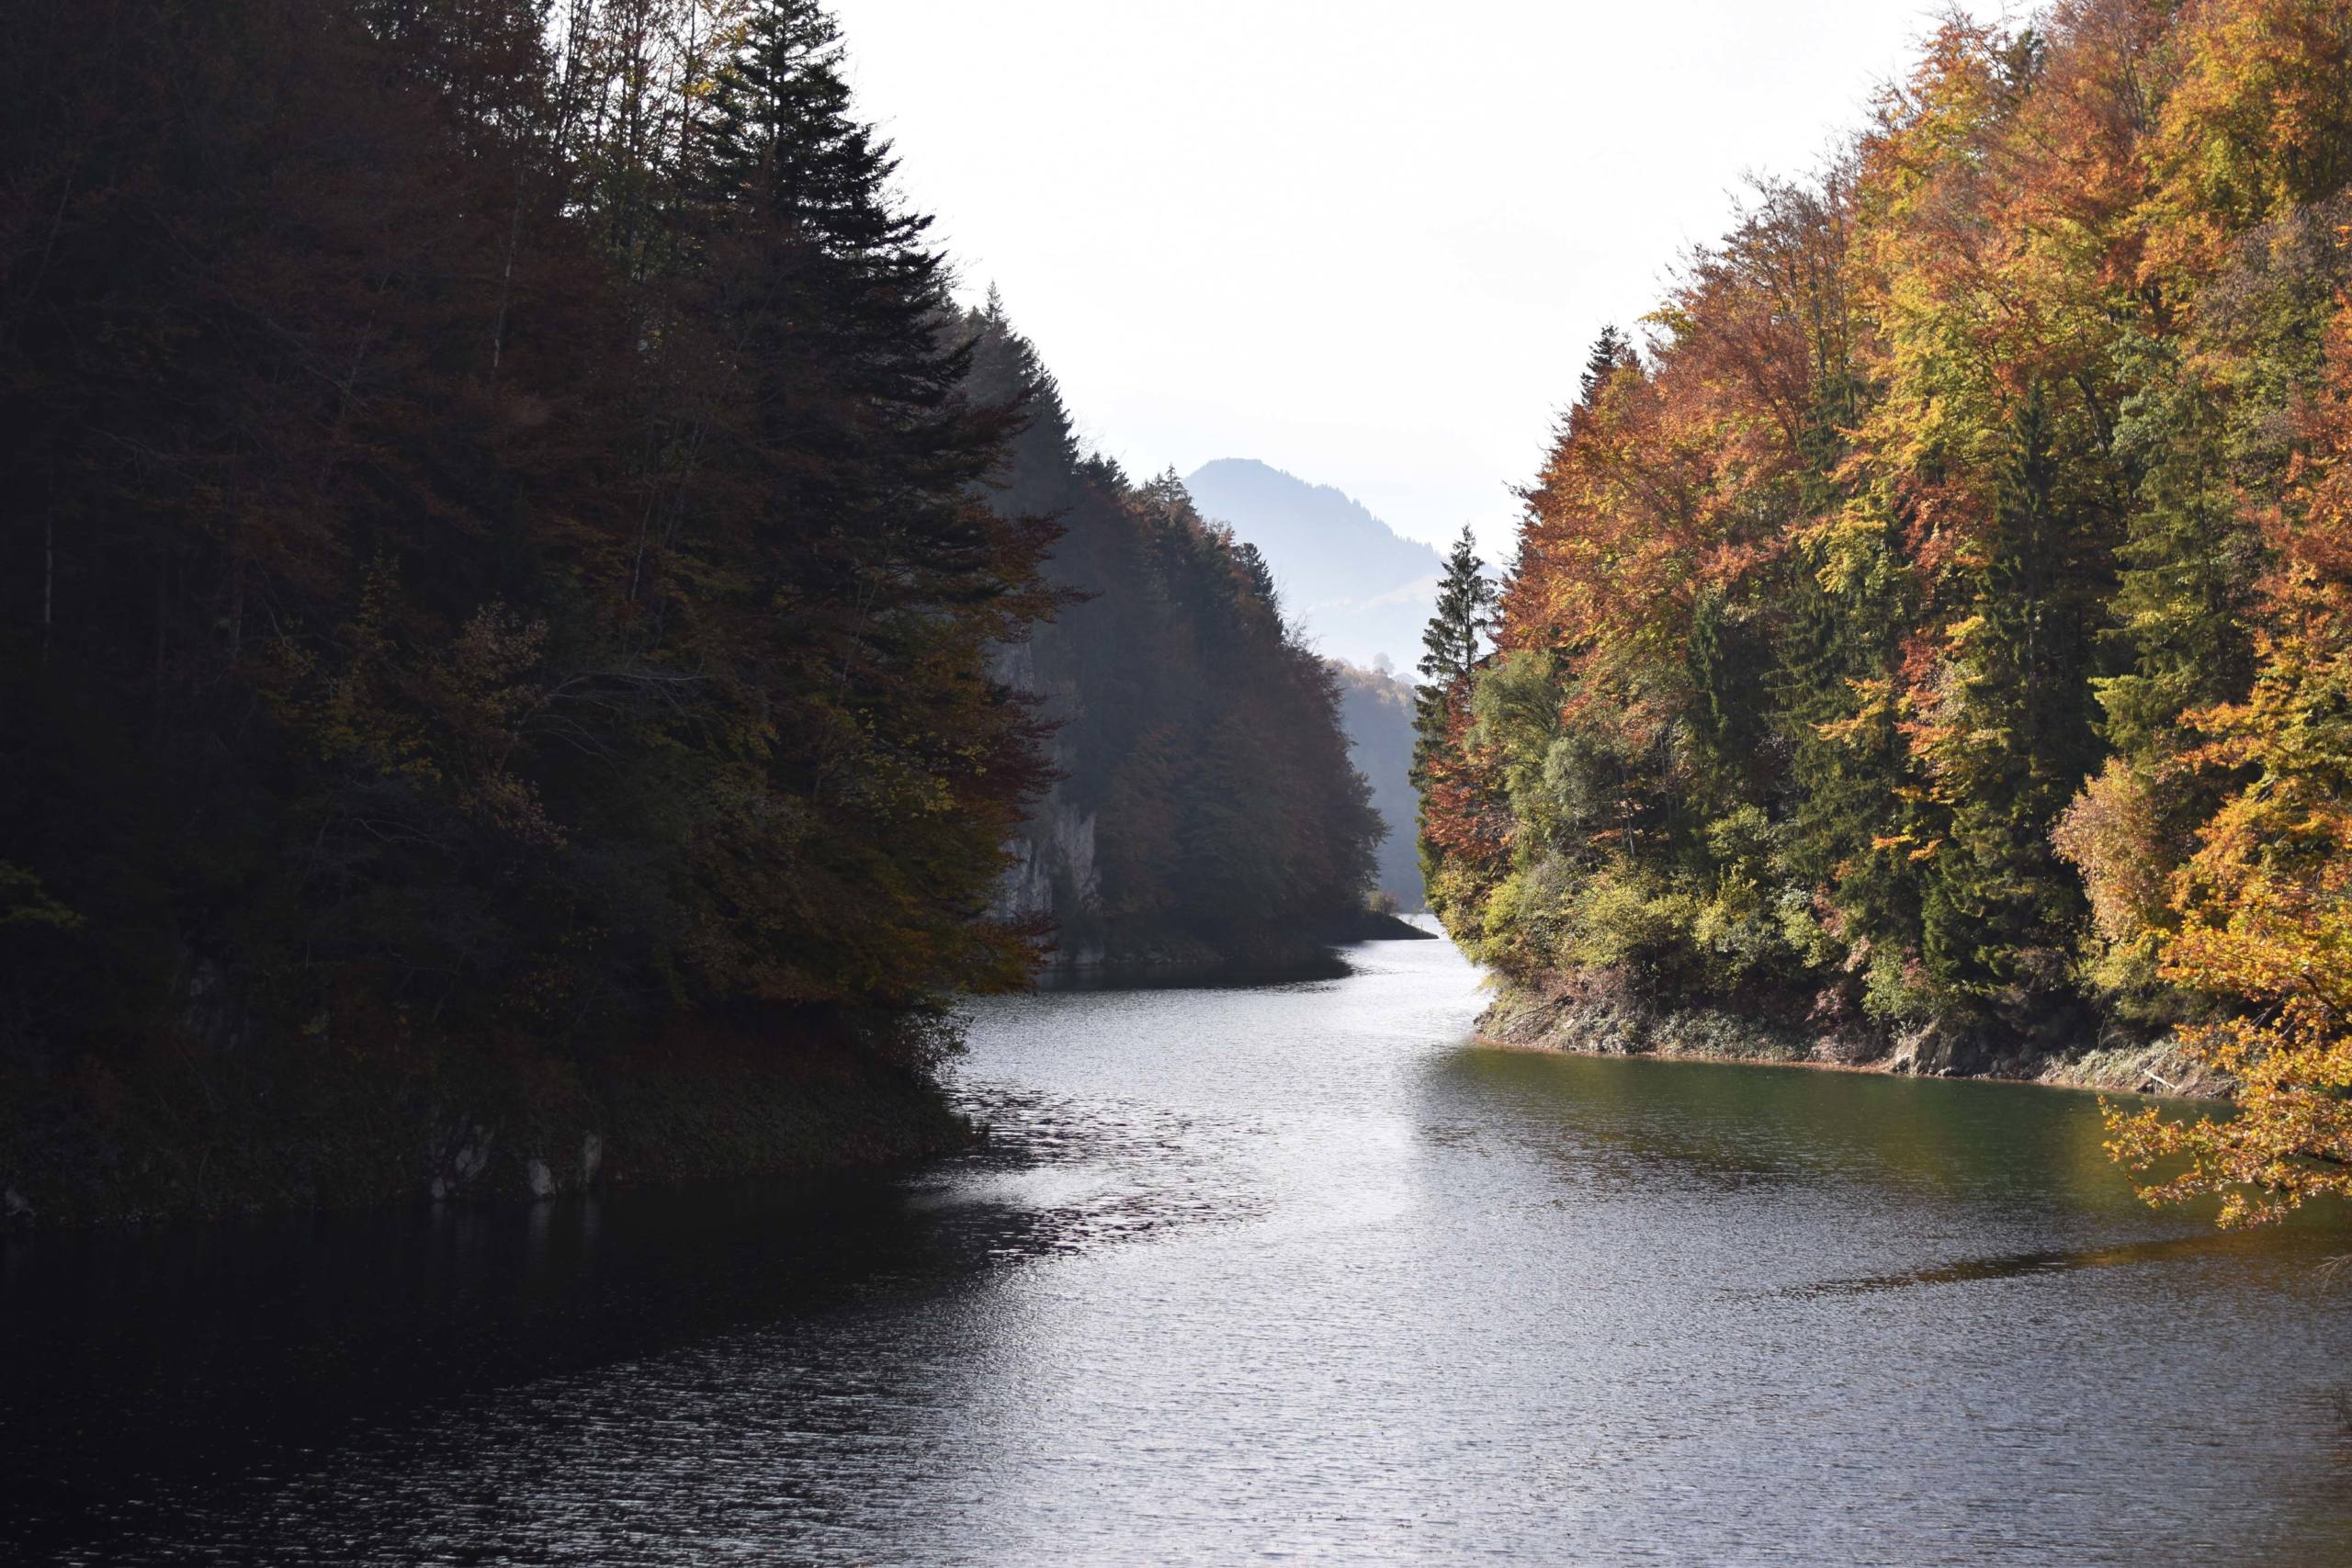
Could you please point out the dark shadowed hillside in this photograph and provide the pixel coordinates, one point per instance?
(1205, 811)
(1356, 587)
(496, 610)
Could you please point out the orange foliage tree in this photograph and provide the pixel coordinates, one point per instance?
(1934, 635)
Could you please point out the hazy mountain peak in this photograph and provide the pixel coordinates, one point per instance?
(1359, 587)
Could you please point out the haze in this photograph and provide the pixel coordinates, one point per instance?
(1366, 242)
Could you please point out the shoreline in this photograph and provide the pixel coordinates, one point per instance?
(183, 1133)
(1523, 1018)
(232, 1122)
(1321, 955)
(2088, 1084)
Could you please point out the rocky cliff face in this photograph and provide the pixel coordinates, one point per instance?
(1206, 812)
(1052, 875)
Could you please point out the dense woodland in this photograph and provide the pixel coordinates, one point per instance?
(509, 538)
(1940, 625)
(1205, 806)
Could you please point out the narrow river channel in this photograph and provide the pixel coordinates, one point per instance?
(1288, 1271)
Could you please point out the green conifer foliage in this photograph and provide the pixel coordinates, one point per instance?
(1458, 633)
(506, 534)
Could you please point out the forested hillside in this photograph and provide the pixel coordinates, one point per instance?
(1205, 810)
(506, 572)
(1935, 636)
(1376, 710)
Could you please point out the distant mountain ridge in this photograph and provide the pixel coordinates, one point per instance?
(1359, 588)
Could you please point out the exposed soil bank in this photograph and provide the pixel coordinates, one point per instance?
(188, 1132)
(1557, 1017)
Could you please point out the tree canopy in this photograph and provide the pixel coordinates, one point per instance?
(509, 541)
(1930, 631)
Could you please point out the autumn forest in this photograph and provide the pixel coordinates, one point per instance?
(1930, 633)
(527, 581)
(875, 781)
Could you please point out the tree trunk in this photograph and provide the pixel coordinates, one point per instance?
(48, 579)
(506, 282)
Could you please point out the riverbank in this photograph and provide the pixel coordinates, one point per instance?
(188, 1132)
(1309, 954)
(218, 1119)
(1556, 1017)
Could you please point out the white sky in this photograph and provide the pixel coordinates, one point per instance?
(1366, 242)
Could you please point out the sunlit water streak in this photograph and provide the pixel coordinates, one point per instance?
(1284, 1272)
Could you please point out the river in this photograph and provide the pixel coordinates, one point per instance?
(1281, 1272)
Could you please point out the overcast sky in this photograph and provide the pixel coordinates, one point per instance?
(1366, 242)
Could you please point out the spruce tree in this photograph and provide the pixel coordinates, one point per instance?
(1466, 596)
(2185, 587)
(1452, 644)
(852, 559)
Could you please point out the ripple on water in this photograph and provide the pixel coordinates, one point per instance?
(1058, 1176)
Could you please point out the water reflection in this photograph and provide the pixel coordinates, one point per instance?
(2026, 1265)
(1732, 1126)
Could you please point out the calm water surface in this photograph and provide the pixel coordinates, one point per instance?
(1281, 1272)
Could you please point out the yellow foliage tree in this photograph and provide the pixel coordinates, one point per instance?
(2265, 901)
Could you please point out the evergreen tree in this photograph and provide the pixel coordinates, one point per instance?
(1453, 648)
(1971, 519)
(779, 131)
(853, 557)
(2184, 591)
(1611, 351)
(606, 640)
(1454, 640)
(2018, 739)
(1196, 736)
